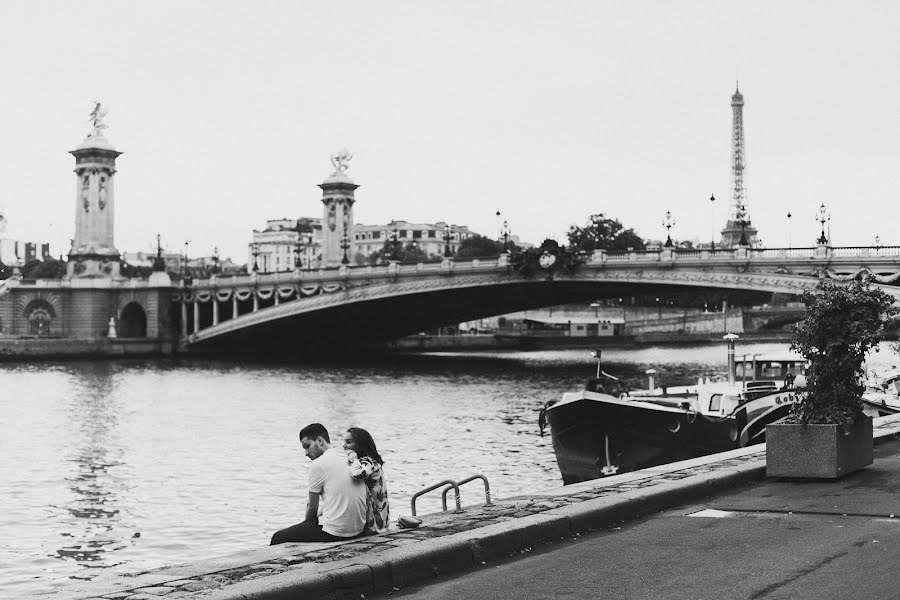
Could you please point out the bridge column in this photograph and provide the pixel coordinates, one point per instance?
(183, 318)
(215, 311)
(196, 316)
(275, 293)
(255, 301)
(234, 305)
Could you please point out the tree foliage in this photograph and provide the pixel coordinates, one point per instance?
(479, 246)
(842, 324)
(50, 268)
(603, 233)
(395, 250)
(134, 271)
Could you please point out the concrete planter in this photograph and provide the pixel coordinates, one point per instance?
(817, 451)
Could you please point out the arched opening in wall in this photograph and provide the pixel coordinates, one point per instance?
(133, 321)
(39, 315)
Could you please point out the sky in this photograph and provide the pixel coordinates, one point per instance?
(227, 113)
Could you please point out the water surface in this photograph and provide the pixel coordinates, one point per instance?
(129, 465)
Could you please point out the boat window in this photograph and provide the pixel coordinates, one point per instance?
(769, 370)
(715, 402)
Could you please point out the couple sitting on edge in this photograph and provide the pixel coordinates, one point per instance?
(347, 490)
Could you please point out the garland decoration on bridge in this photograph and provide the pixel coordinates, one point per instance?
(862, 274)
(549, 258)
(263, 293)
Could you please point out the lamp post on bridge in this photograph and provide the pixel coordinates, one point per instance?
(789, 228)
(712, 203)
(742, 218)
(215, 259)
(298, 252)
(506, 236)
(822, 216)
(447, 251)
(255, 249)
(668, 222)
(395, 240)
(877, 244)
(345, 245)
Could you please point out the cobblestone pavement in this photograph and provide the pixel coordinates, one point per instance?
(180, 582)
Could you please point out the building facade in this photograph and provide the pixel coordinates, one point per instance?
(285, 245)
(431, 238)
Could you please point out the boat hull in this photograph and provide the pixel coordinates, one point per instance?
(595, 435)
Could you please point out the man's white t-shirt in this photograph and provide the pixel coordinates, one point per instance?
(342, 500)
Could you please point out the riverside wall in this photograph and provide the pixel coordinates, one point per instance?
(13, 348)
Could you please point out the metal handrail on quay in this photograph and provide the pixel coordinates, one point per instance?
(449, 483)
(487, 490)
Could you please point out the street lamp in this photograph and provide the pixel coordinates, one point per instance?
(345, 245)
(789, 228)
(215, 259)
(668, 222)
(395, 241)
(877, 244)
(184, 265)
(822, 216)
(447, 252)
(159, 264)
(255, 247)
(742, 219)
(712, 203)
(505, 236)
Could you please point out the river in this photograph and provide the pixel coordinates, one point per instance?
(121, 466)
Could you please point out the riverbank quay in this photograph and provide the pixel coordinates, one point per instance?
(21, 348)
(451, 542)
(468, 343)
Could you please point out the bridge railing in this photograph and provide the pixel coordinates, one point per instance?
(854, 251)
(693, 255)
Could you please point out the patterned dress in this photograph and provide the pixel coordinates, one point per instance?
(377, 509)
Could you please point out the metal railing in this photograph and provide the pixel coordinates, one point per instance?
(449, 482)
(453, 485)
(487, 490)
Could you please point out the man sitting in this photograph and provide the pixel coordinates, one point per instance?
(337, 502)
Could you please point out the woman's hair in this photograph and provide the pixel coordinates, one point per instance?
(365, 445)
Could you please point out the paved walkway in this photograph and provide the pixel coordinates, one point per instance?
(775, 538)
(449, 542)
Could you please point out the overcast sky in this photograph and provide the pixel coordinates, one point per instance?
(227, 113)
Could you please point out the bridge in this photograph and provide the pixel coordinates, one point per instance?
(345, 305)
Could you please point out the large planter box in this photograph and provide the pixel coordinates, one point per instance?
(817, 451)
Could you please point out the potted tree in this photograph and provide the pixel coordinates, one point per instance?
(827, 435)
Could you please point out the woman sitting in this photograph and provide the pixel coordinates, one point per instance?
(366, 464)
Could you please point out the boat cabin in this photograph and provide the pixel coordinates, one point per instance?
(775, 368)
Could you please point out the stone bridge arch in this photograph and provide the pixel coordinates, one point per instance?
(387, 309)
(132, 321)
